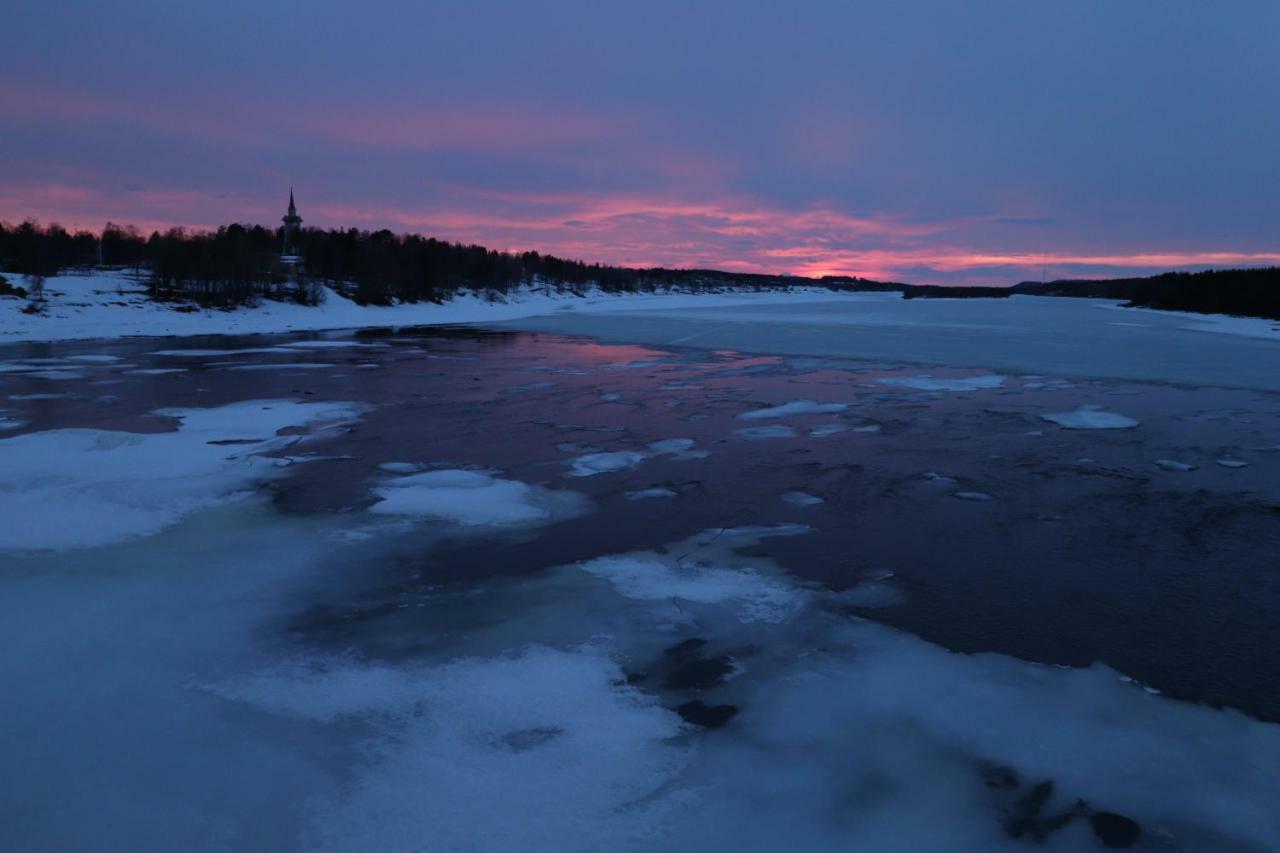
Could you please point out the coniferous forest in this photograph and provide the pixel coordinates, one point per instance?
(237, 264)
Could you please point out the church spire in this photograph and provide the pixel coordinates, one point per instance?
(292, 221)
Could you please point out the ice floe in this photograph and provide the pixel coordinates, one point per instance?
(330, 344)
(1090, 417)
(1174, 465)
(795, 407)
(772, 431)
(824, 430)
(651, 493)
(214, 353)
(671, 445)
(400, 467)
(529, 386)
(756, 596)
(590, 464)
(476, 498)
(801, 499)
(284, 365)
(57, 375)
(931, 383)
(1232, 463)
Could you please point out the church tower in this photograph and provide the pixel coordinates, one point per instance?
(292, 221)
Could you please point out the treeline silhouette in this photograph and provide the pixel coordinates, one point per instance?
(1244, 292)
(237, 264)
(240, 263)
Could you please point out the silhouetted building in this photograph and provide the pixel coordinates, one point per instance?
(292, 222)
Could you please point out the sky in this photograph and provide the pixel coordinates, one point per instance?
(914, 140)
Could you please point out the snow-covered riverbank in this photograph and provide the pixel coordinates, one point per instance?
(1066, 337)
(113, 305)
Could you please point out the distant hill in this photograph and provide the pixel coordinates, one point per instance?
(1247, 292)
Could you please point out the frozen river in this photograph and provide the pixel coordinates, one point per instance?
(453, 589)
(1069, 337)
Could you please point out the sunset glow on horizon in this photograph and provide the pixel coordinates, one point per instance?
(833, 141)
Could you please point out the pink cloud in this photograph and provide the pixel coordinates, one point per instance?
(687, 219)
(731, 233)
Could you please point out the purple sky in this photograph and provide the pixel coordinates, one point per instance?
(923, 140)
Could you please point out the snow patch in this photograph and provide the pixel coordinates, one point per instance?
(79, 488)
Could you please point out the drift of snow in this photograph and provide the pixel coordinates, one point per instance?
(77, 488)
(1090, 417)
(795, 407)
(475, 498)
